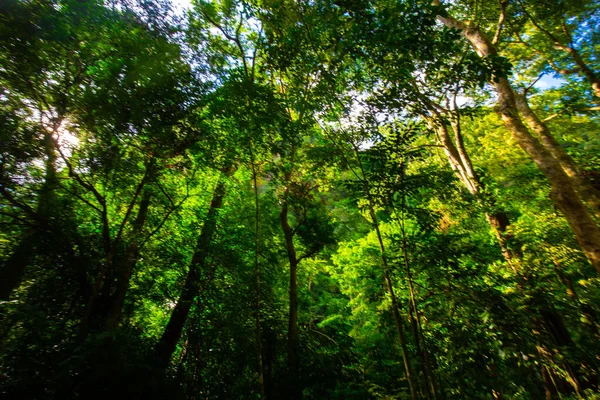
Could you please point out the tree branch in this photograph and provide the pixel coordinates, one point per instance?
(501, 18)
(308, 254)
(138, 190)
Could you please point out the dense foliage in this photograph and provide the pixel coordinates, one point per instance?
(370, 199)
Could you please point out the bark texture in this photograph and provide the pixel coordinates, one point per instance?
(582, 186)
(461, 164)
(563, 194)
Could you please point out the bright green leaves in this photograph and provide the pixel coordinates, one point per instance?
(329, 111)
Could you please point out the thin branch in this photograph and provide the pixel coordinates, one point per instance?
(163, 191)
(162, 222)
(567, 33)
(138, 190)
(532, 83)
(562, 71)
(238, 42)
(255, 51)
(341, 152)
(81, 198)
(12, 200)
(234, 39)
(503, 4)
(539, 27)
(77, 177)
(100, 198)
(22, 220)
(173, 208)
(308, 254)
(552, 64)
(551, 117)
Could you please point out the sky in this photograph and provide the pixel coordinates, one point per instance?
(548, 82)
(181, 5)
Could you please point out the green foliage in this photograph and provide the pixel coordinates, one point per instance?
(292, 132)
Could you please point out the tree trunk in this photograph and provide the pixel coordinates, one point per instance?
(562, 193)
(13, 270)
(395, 307)
(552, 322)
(168, 342)
(430, 382)
(288, 234)
(293, 321)
(454, 158)
(463, 169)
(550, 389)
(555, 325)
(589, 74)
(270, 353)
(582, 186)
(400, 329)
(127, 264)
(259, 351)
(422, 384)
(388, 280)
(499, 222)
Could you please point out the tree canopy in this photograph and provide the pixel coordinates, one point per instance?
(368, 199)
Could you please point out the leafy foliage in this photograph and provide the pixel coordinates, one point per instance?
(293, 199)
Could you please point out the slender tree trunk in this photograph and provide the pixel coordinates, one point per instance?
(549, 324)
(13, 270)
(259, 351)
(561, 336)
(550, 389)
(395, 310)
(293, 320)
(582, 186)
(130, 258)
(270, 350)
(172, 333)
(463, 168)
(422, 384)
(461, 149)
(563, 194)
(98, 300)
(430, 381)
(288, 234)
(589, 74)
(454, 159)
(388, 280)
